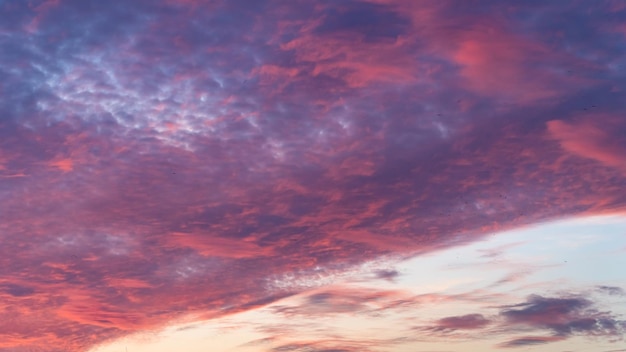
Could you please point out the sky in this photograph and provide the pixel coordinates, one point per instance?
(312, 175)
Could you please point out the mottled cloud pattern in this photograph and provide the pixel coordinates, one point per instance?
(167, 159)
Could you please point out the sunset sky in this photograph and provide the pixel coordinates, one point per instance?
(312, 175)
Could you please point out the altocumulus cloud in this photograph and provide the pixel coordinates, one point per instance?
(151, 149)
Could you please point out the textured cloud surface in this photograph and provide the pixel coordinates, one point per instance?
(172, 160)
(454, 299)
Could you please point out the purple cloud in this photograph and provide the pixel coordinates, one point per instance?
(564, 316)
(151, 149)
(463, 322)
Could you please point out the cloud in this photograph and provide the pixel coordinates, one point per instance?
(402, 318)
(387, 274)
(530, 341)
(494, 62)
(564, 316)
(342, 300)
(17, 290)
(464, 322)
(164, 159)
(612, 290)
(543, 310)
(217, 247)
(587, 140)
(313, 347)
(547, 319)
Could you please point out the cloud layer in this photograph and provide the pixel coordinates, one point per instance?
(160, 159)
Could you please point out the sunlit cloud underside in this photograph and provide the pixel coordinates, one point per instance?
(355, 175)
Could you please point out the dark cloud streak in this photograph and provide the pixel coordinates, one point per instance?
(563, 317)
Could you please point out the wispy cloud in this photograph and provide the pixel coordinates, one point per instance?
(464, 322)
(531, 341)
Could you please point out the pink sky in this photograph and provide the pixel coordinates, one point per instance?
(162, 161)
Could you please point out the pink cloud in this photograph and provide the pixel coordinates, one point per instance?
(494, 63)
(64, 165)
(212, 246)
(589, 140)
(152, 150)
